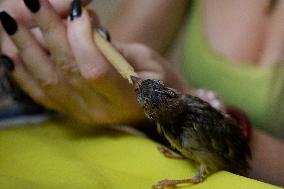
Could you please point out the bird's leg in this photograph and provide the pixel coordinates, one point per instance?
(173, 183)
(169, 153)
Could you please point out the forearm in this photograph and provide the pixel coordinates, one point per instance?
(267, 158)
(153, 23)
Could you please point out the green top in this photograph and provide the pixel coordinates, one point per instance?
(242, 85)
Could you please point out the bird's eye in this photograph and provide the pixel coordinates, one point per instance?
(171, 93)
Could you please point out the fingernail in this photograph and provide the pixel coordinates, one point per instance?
(7, 62)
(33, 5)
(8, 23)
(104, 33)
(76, 9)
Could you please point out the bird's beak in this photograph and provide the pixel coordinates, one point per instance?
(136, 81)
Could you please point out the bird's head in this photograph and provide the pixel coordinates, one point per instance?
(154, 96)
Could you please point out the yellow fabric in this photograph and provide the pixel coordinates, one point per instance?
(56, 155)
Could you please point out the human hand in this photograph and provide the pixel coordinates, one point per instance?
(64, 71)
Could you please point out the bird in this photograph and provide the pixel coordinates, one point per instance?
(194, 128)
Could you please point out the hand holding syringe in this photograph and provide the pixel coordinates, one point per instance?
(114, 57)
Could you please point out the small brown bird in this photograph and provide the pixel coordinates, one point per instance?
(194, 128)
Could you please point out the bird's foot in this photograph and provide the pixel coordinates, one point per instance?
(164, 184)
(169, 153)
(173, 183)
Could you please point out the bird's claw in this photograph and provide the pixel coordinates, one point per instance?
(169, 153)
(173, 183)
(164, 184)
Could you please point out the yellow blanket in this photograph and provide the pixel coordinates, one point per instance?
(55, 155)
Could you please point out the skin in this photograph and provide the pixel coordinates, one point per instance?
(96, 93)
(252, 32)
(143, 26)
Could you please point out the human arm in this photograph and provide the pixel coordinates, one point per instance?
(267, 158)
(153, 23)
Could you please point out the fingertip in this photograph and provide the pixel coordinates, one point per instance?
(81, 17)
(75, 9)
(32, 5)
(8, 23)
(7, 62)
(103, 31)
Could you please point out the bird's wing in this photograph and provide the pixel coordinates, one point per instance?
(217, 133)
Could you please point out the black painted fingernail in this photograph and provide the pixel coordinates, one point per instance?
(33, 5)
(104, 33)
(8, 23)
(7, 62)
(76, 9)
